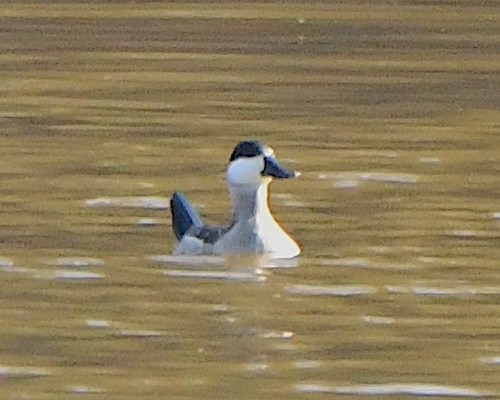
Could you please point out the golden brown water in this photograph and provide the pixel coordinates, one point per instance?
(389, 109)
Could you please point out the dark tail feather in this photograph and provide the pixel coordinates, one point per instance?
(184, 216)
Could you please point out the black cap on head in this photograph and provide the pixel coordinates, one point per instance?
(272, 167)
(247, 149)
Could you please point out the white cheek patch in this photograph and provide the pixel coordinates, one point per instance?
(245, 171)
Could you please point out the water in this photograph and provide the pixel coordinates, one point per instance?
(390, 111)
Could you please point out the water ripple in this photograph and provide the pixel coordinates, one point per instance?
(378, 320)
(395, 389)
(234, 261)
(186, 260)
(217, 275)
(54, 274)
(22, 372)
(345, 184)
(6, 262)
(158, 203)
(257, 367)
(445, 291)
(376, 177)
(280, 263)
(147, 222)
(365, 263)
(306, 364)
(75, 262)
(97, 323)
(490, 360)
(76, 275)
(138, 333)
(430, 160)
(336, 291)
(83, 390)
(276, 335)
(112, 329)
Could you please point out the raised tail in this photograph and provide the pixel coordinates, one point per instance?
(184, 216)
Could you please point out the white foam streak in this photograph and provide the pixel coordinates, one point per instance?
(393, 389)
(76, 275)
(97, 323)
(490, 360)
(377, 177)
(83, 390)
(365, 263)
(22, 372)
(158, 203)
(6, 262)
(217, 275)
(138, 333)
(75, 262)
(187, 260)
(335, 291)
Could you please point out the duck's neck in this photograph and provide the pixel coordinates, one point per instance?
(249, 202)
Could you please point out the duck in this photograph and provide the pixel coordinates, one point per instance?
(253, 230)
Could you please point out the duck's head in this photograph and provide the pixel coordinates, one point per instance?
(251, 164)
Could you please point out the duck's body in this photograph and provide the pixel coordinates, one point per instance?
(253, 229)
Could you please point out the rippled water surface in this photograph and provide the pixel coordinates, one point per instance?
(389, 109)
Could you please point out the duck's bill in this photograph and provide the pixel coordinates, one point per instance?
(276, 170)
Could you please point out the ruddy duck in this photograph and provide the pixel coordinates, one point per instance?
(253, 230)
